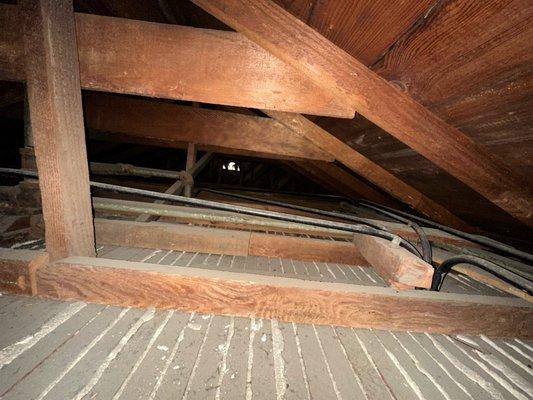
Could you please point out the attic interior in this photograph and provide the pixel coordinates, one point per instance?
(266, 199)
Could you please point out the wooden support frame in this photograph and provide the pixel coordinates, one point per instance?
(177, 62)
(397, 266)
(386, 105)
(133, 284)
(54, 97)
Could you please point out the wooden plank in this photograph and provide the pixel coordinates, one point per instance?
(178, 62)
(206, 291)
(384, 104)
(480, 275)
(223, 241)
(56, 117)
(171, 237)
(262, 244)
(367, 168)
(173, 123)
(397, 266)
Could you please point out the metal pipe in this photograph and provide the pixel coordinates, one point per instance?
(484, 241)
(446, 266)
(427, 253)
(300, 208)
(362, 229)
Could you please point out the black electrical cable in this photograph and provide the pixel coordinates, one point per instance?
(484, 241)
(446, 266)
(362, 229)
(427, 253)
(300, 208)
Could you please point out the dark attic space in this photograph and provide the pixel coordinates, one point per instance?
(268, 199)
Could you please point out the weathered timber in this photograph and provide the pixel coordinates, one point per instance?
(226, 219)
(400, 268)
(17, 270)
(292, 41)
(223, 241)
(171, 123)
(178, 62)
(136, 284)
(54, 97)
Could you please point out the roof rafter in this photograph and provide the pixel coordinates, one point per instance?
(387, 106)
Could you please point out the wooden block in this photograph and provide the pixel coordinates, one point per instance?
(394, 264)
(17, 270)
(134, 284)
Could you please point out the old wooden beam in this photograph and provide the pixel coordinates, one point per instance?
(56, 116)
(177, 62)
(230, 220)
(135, 284)
(223, 241)
(389, 107)
(191, 160)
(368, 169)
(172, 123)
(397, 266)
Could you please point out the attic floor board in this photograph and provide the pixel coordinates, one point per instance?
(92, 351)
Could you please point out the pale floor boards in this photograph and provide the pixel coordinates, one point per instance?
(73, 350)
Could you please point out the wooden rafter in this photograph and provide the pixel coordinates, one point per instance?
(387, 106)
(367, 168)
(177, 62)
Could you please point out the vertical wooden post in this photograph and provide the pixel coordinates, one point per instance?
(54, 95)
(191, 161)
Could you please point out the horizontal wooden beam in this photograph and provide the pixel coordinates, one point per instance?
(386, 105)
(171, 123)
(223, 241)
(135, 284)
(177, 62)
(125, 283)
(397, 266)
(229, 220)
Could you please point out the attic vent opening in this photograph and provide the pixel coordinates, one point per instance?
(231, 166)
